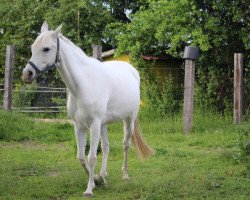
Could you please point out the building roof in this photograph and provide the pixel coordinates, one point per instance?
(108, 53)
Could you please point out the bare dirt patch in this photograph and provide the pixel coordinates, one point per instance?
(63, 121)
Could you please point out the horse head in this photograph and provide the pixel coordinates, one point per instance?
(45, 54)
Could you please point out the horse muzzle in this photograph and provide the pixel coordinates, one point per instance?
(28, 76)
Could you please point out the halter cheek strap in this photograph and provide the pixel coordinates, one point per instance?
(51, 67)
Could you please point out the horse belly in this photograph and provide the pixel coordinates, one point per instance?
(123, 104)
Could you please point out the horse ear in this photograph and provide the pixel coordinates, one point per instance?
(58, 30)
(44, 27)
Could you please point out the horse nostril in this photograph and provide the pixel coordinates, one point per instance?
(30, 73)
(27, 76)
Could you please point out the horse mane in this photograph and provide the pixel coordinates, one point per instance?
(72, 44)
(79, 50)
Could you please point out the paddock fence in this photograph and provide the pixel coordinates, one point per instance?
(222, 99)
(246, 97)
(47, 98)
(48, 95)
(1, 94)
(39, 99)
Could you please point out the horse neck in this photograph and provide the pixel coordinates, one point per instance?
(73, 61)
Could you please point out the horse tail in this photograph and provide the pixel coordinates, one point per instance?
(143, 150)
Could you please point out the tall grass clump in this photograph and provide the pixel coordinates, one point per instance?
(208, 120)
(242, 155)
(156, 123)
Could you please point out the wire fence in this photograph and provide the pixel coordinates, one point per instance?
(246, 97)
(1, 95)
(39, 99)
(221, 97)
(45, 96)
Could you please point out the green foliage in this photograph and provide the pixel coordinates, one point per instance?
(23, 95)
(20, 27)
(83, 22)
(219, 29)
(112, 30)
(161, 95)
(170, 25)
(155, 27)
(119, 9)
(60, 102)
(213, 91)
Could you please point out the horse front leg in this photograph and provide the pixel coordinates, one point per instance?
(81, 143)
(100, 178)
(92, 157)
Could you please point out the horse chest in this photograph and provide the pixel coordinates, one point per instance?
(85, 111)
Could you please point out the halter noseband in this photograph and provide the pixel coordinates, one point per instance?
(51, 67)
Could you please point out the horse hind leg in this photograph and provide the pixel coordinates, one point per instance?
(100, 179)
(128, 131)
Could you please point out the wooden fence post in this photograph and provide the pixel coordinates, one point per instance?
(188, 95)
(190, 55)
(97, 52)
(8, 80)
(238, 74)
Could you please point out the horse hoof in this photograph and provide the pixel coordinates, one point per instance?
(100, 181)
(88, 195)
(97, 177)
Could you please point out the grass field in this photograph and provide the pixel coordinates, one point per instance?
(38, 161)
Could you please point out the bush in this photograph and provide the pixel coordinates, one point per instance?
(161, 95)
(24, 95)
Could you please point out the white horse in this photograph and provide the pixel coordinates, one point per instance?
(99, 93)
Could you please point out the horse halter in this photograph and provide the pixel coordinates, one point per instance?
(51, 67)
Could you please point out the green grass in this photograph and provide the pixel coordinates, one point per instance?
(18, 127)
(38, 161)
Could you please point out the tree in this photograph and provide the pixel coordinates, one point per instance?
(83, 22)
(120, 9)
(156, 27)
(217, 27)
(20, 26)
(168, 26)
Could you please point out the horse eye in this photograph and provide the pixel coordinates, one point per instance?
(46, 49)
